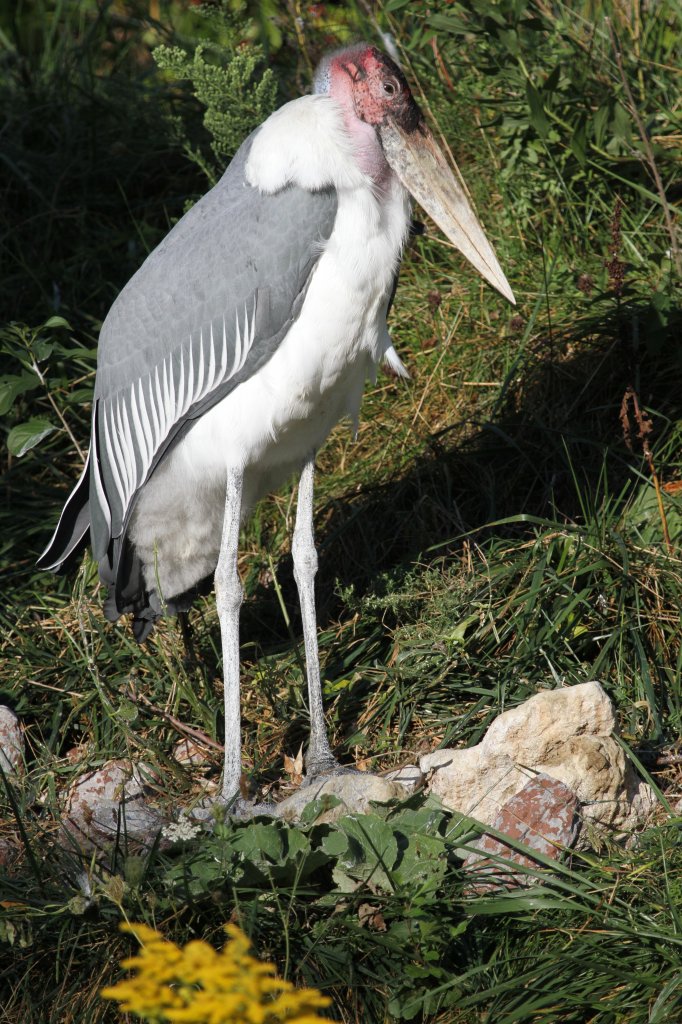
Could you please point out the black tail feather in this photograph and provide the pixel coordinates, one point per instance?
(120, 569)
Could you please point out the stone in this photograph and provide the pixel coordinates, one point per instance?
(356, 791)
(11, 741)
(566, 734)
(190, 753)
(110, 804)
(543, 816)
(409, 776)
(545, 721)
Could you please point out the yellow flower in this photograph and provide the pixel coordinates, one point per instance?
(197, 984)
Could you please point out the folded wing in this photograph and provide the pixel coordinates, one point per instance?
(205, 311)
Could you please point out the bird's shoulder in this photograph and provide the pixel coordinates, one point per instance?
(235, 242)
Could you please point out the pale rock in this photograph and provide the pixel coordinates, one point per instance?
(190, 752)
(113, 803)
(564, 733)
(356, 791)
(545, 721)
(11, 741)
(471, 783)
(409, 776)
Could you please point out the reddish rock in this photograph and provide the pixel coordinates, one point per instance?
(111, 805)
(566, 733)
(543, 817)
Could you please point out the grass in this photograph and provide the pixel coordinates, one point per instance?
(494, 528)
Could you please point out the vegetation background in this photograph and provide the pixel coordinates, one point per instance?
(508, 520)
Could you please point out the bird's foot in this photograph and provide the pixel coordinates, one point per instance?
(212, 810)
(243, 809)
(323, 767)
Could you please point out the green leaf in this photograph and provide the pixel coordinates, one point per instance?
(538, 118)
(12, 386)
(27, 435)
(57, 321)
(77, 352)
(449, 23)
(335, 844)
(552, 80)
(372, 850)
(509, 38)
(42, 349)
(578, 143)
(458, 634)
(620, 123)
(79, 396)
(260, 842)
(315, 808)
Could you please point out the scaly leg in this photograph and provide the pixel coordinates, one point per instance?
(228, 591)
(319, 758)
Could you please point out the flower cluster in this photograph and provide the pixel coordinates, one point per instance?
(196, 983)
(181, 830)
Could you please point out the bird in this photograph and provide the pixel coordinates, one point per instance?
(241, 341)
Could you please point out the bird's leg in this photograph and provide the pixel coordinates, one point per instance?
(319, 758)
(228, 591)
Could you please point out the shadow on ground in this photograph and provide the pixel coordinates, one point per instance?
(554, 448)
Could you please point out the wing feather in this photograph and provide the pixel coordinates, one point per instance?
(205, 311)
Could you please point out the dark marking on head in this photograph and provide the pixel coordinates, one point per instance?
(378, 88)
(385, 93)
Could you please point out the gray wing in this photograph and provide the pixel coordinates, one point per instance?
(205, 311)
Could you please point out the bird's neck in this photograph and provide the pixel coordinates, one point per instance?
(306, 143)
(367, 151)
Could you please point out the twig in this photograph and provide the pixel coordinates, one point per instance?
(188, 730)
(441, 64)
(67, 428)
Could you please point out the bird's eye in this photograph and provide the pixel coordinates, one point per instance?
(390, 88)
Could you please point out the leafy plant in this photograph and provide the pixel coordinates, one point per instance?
(62, 373)
(228, 82)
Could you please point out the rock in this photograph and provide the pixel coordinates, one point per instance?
(112, 804)
(470, 783)
(543, 816)
(564, 733)
(191, 753)
(355, 791)
(544, 722)
(11, 741)
(409, 776)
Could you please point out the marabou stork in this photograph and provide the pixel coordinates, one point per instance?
(242, 340)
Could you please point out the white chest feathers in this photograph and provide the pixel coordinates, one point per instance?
(272, 422)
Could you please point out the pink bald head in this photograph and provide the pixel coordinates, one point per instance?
(392, 140)
(370, 88)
